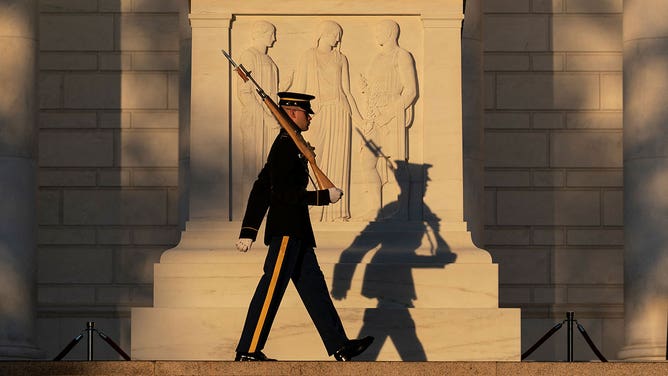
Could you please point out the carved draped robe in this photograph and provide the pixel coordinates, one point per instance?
(330, 132)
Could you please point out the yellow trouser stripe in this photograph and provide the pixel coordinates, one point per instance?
(270, 294)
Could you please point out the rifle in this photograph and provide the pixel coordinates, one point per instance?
(285, 123)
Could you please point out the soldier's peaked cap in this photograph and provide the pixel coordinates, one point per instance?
(303, 101)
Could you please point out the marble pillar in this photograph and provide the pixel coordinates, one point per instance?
(472, 119)
(18, 223)
(210, 171)
(185, 71)
(645, 179)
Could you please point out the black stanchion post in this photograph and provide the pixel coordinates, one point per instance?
(90, 327)
(570, 320)
(569, 341)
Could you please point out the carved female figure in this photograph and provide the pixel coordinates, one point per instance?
(258, 128)
(323, 71)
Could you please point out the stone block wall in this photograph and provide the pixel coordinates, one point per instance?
(108, 163)
(553, 166)
(108, 158)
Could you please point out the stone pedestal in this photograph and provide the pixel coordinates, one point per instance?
(645, 179)
(203, 287)
(18, 171)
(416, 282)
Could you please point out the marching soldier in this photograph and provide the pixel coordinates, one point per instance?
(280, 189)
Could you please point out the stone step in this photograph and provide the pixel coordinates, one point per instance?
(186, 368)
(203, 287)
(401, 334)
(418, 285)
(204, 242)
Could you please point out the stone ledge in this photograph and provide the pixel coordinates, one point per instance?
(174, 368)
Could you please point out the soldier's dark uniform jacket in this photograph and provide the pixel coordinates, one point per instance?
(281, 188)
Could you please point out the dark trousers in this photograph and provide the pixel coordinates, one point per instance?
(288, 260)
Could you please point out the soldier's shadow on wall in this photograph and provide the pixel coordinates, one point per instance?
(388, 276)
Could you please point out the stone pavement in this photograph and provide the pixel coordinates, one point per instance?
(174, 368)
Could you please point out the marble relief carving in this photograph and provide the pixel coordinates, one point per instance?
(388, 90)
(258, 126)
(323, 71)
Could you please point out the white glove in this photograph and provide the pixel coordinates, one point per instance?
(334, 194)
(244, 244)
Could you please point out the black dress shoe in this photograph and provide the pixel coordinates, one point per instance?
(352, 348)
(257, 356)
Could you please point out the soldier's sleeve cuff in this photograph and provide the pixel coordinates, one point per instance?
(323, 197)
(248, 233)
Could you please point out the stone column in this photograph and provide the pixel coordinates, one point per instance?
(442, 89)
(185, 71)
(443, 134)
(472, 67)
(18, 223)
(209, 132)
(645, 179)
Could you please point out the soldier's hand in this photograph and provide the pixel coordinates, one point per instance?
(244, 244)
(334, 194)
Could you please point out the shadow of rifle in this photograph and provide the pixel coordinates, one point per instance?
(375, 149)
